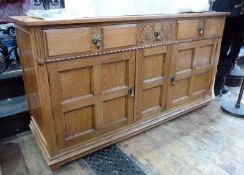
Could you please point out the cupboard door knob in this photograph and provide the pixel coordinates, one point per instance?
(173, 80)
(131, 91)
(157, 35)
(97, 41)
(41, 62)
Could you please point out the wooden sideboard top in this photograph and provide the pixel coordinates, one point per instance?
(29, 21)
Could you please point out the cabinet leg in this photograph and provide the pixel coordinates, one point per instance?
(55, 167)
(206, 104)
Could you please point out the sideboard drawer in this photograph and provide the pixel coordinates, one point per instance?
(196, 28)
(214, 26)
(119, 36)
(154, 32)
(188, 28)
(67, 41)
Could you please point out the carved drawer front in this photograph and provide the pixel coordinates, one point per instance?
(191, 71)
(196, 28)
(155, 32)
(67, 41)
(90, 96)
(151, 95)
(116, 36)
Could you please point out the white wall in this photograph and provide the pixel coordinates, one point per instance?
(134, 7)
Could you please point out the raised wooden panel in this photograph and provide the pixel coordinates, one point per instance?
(151, 98)
(114, 111)
(119, 36)
(201, 82)
(114, 75)
(187, 28)
(66, 41)
(153, 66)
(180, 89)
(184, 59)
(79, 122)
(75, 83)
(205, 55)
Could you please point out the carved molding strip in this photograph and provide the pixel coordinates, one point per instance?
(169, 42)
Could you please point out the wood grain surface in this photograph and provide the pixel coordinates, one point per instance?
(120, 76)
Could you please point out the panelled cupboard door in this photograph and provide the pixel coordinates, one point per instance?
(151, 81)
(191, 71)
(90, 96)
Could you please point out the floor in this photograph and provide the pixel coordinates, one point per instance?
(205, 141)
(241, 51)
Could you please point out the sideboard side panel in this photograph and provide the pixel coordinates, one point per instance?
(36, 87)
(39, 53)
(29, 76)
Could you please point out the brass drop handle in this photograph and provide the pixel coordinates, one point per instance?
(201, 27)
(157, 35)
(201, 31)
(173, 80)
(131, 91)
(97, 41)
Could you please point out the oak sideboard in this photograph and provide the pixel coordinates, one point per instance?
(95, 81)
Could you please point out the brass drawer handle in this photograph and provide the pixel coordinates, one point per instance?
(97, 41)
(201, 27)
(131, 91)
(173, 80)
(201, 31)
(157, 35)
